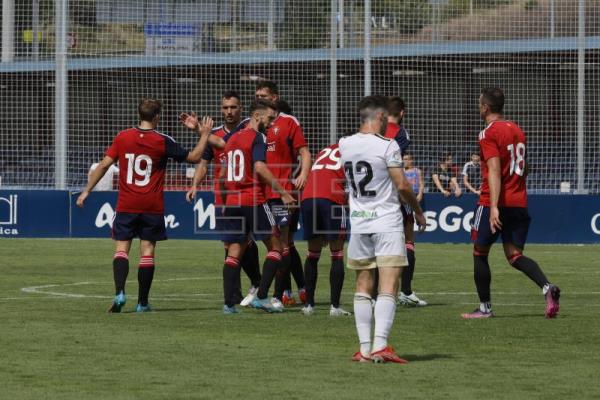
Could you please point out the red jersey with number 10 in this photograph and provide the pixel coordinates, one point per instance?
(505, 140)
(142, 156)
(326, 178)
(284, 138)
(242, 186)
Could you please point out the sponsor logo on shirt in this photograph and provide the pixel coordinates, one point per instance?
(271, 146)
(364, 214)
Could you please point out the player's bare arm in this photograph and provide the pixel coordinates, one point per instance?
(406, 194)
(199, 175)
(216, 142)
(267, 177)
(204, 128)
(305, 165)
(495, 182)
(94, 177)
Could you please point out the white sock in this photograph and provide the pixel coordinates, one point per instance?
(363, 316)
(485, 307)
(385, 309)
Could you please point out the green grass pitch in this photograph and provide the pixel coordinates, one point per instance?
(58, 342)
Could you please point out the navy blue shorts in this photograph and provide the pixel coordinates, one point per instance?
(240, 222)
(515, 225)
(323, 217)
(283, 215)
(127, 226)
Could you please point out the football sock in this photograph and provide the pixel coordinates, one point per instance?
(530, 268)
(482, 276)
(281, 283)
(363, 316)
(336, 277)
(250, 264)
(231, 272)
(409, 270)
(145, 276)
(296, 268)
(270, 267)
(385, 308)
(311, 271)
(120, 271)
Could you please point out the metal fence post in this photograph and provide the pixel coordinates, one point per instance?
(8, 30)
(581, 100)
(367, 48)
(60, 112)
(333, 74)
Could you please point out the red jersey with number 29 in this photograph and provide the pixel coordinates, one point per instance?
(326, 178)
(142, 156)
(242, 186)
(505, 140)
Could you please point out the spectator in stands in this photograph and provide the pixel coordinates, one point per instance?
(107, 181)
(471, 174)
(445, 176)
(414, 176)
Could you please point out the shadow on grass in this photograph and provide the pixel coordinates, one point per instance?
(425, 357)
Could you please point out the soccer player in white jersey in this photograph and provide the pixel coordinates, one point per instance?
(373, 168)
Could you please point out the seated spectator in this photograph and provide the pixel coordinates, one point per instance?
(445, 177)
(414, 176)
(106, 183)
(472, 174)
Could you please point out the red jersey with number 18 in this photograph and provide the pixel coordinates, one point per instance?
(242, 186)
(505, 140)
(326, 178)
(142, 156)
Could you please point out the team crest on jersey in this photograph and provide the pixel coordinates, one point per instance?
(276, 130)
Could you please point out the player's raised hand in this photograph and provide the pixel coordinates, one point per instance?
(206, 125)
(81, 198)
(189, 196)
(495, 223)
(189, 120)
(421, 222)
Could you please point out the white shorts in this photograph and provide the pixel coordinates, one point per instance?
(371, 250)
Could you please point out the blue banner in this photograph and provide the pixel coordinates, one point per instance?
(25, 213)
(33, 213)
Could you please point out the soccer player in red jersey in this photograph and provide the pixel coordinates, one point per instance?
(502, 207)
(142, 153)
(231, 109)
(394, 130)
(324, 219)
(285, 142)
(245, 179)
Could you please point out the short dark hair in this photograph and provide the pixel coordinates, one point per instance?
(272, 86)
(368, 105)
(148, 109)
(228, 94)
(284, 106)
(262, 104)
(494, 98)
(408, 154)
(445, 155)
(396, 105)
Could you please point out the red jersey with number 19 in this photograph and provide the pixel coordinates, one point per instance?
(242, 186)
(142, 156)
(326, 178)
(504, 139)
